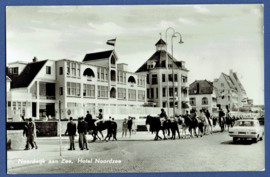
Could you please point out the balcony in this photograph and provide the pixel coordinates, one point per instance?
(184, 97)
(113, 83)
(184, 84)
(47, 97)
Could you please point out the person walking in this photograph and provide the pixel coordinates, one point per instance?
(113, 129)
(88, 119)
(81, 131)
(83, 137)
(35, 135)
(201, 123)
(129, 123)
(134, 125)
(71, 130)
(124, 127)
(25, 132)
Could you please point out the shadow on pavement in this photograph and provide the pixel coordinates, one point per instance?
(240, 142)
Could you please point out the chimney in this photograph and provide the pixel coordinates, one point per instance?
(215, 80)
(35, 59)
(231, 71)
(122, 66)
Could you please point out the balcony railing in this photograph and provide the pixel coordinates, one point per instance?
(47, 97)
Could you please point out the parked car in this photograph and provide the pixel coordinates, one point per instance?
(247, 129)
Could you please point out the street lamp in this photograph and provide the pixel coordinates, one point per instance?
(167, 63)
(180, 42)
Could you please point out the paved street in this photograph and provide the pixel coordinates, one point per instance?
(214, 152)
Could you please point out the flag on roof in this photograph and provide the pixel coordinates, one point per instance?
(222, 94)
(111, 42)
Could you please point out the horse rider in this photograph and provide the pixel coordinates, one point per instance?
(163, 116)
(221, 115)
(100, 117)
(201, 122)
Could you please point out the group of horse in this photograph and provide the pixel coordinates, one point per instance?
(185, 122)
(169, 126)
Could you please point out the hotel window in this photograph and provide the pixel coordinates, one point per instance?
(164, 92)
(163, 78)
(106, 74)
(204, 101)
(121, 93)
(102, 91)
(48, 70)
(170, 78)
(164, 104)
(141, 95)
(88, 90)
(124, 77)
(184, 79)
(192, 101)
(102, 73)
(118, 73)
(19, 105)
(229, 99)
(78, 70)
(143, 81)
(148, 93)
(156, 92)
(73, 69)
(121, 76)
(175, 77)
(60, 70)
(222, 84)
(60, 90)
(131, 94)
(73, 89)
(147, 79)
(68, 68)
(152, 92)
(154, 79)
(98, 73)
(14, 105)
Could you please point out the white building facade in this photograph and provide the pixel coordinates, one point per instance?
(158, 79)
(49, 88)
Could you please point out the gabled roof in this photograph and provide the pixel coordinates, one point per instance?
(205, 87)
(27, 75)
(97, 55)
(160, 42)
(239, 83)
(229, 81)
(156, 57)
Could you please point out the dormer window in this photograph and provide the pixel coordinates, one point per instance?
(151, 65)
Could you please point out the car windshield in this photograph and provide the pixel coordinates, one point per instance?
(244, 123)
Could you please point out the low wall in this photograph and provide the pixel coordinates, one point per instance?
(15, 139)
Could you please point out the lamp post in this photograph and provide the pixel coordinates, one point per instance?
(180, 42)
(167, 63)
(60, 140)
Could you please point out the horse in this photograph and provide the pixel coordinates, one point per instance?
(228, 121)
(183, 125)
(156, 125)
(174, 127)
(190, 123)
(99, 128)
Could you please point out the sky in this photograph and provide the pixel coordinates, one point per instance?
(216, 38)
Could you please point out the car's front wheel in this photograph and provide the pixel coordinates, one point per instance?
(234, 139)
(255, 140)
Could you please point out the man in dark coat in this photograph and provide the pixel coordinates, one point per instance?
(88, 119)
(82, 130)
(71, 130)
(25, 132)
(29, 132)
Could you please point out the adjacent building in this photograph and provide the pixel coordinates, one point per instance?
(203, 95)
(48, 87)
(158, 77)
(231, 91)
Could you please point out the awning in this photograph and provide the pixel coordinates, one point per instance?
(186, 105)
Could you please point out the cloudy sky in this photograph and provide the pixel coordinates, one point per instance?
(217, 37)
